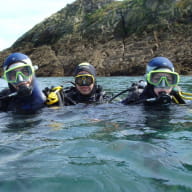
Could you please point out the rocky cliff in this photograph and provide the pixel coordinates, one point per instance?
(117, 37)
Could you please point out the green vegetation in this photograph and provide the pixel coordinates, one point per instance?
(148, 15)
(115, 18)
(100, 13)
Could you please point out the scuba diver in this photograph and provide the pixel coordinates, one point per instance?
(23, 93)
(85, 88)
(161, 87)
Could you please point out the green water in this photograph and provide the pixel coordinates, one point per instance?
(104, 148)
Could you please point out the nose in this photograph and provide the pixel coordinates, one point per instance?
(20, 78)
(163, 84)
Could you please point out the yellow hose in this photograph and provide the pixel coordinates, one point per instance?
(184, 95)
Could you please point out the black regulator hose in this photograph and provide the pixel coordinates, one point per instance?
(129, 89)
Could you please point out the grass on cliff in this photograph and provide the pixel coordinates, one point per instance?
(146, 14)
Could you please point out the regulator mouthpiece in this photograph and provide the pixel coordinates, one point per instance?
(24, 91)
(164, 98)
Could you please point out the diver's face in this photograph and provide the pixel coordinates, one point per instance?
(85, 90)
(22, 77)
(23, 83)
(84, 82)
(24, 88)
(19, 75)
(163, 81)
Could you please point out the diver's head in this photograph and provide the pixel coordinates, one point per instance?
(160, 74)
(85, 75)
(19, 73)
(158, 63)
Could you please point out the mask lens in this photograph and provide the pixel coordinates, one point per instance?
(84, 80)
(26, 71)
(161, 77)
(12, 75)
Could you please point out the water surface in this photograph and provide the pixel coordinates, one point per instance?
(103, 148)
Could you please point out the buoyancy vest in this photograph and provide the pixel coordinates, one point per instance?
(72, 96)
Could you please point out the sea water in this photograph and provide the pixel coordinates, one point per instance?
(102, 148)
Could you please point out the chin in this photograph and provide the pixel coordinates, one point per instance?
(166, 92)
(85, 93)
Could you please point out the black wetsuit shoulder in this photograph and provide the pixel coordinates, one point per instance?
(72, 96)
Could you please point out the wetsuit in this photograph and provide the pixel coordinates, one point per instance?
(11, 101)
(72, 96)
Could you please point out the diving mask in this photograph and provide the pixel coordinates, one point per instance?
(19, 73)
(84, 80)
(162, 78)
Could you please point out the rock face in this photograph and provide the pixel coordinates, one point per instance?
(117, 37)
